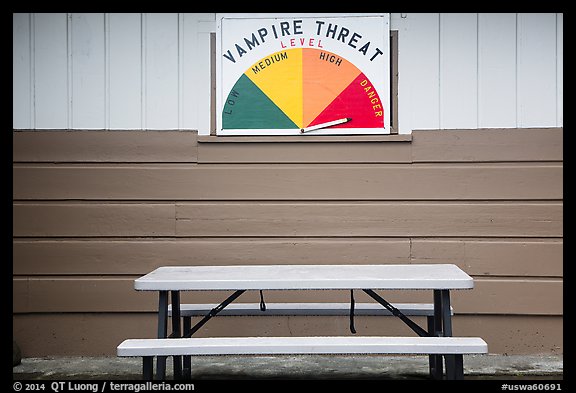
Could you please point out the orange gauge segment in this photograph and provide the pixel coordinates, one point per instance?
(325, 76)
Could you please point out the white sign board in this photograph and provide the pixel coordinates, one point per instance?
(300, 74)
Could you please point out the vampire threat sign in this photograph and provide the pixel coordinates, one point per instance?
(303, 74)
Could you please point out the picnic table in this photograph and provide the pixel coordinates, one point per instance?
(436, 340)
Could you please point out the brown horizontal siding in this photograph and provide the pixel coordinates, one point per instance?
(501, 257)
(488, 145)
(104, 146)
(482, 145)
(392, 219)
(479, 257)
(93, 210)
(102, 294)
(317, 152)
(295, 182)
(93, 219)
(137, 256)
(81, 334)
(370, 219)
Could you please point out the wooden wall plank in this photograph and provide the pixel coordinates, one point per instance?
(370, 219)
(297, 182)
(101, 294)
(104, 146)
(485, 257)
(83, 294)
(290, 219)
(512, 296)
(93, 220)
(318, 152)
(20, 292)
(137, 256)
(514, 334)
(484, 145)
(81, 333)
(506, 257)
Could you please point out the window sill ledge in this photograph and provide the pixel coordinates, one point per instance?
(305, 138)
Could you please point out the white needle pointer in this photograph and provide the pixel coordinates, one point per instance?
(324, 125)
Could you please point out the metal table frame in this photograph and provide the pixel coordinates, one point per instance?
(439, 325)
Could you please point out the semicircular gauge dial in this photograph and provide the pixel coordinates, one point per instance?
(299, 88)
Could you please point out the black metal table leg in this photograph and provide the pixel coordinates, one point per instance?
(176, 332)
(162, 328)
(148, 368)
(434, 361)
(187, 367)
(430, 325)
(456, 369)
(450, 360)
(459, 366)
(446, 315)
(437, 368)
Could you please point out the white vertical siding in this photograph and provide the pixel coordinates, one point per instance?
(152, 71)
(536, 70)
(88, 71)
(458, 71)
(418, 72)
(22, 72)
(125, 71)
(190, 76)
(51, 84)
(496, 70)
(203, 69)
(559, 70)
(162, 72)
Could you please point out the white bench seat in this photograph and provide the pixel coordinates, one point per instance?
(301, 345)
(451, 348)
(289, 309)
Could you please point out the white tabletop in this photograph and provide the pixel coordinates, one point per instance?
(269, 277)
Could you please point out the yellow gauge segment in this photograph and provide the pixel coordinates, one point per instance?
(279, 76)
